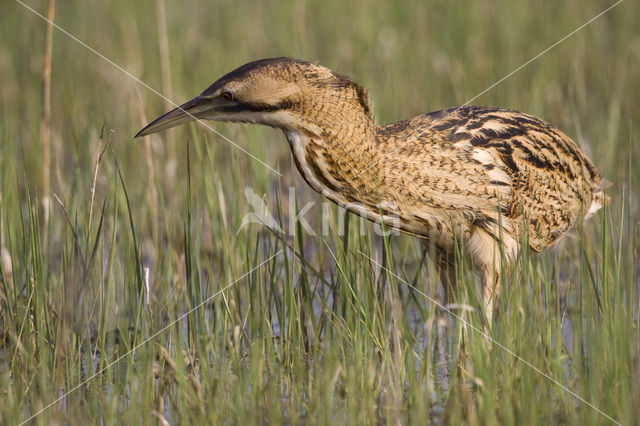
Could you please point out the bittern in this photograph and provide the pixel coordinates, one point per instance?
(489, 179)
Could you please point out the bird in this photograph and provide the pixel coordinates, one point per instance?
(489, 180)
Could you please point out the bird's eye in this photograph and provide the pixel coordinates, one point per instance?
(227, 96)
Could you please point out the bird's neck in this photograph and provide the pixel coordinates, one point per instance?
(333, 147)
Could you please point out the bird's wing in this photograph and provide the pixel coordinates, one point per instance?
(551, 181)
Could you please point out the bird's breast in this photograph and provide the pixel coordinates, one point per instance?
(326, 174)
(308, 157)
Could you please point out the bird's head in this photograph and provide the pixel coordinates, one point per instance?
(279, 92)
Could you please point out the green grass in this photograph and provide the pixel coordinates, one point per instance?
(319, 333)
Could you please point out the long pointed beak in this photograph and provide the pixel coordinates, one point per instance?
(198, 107)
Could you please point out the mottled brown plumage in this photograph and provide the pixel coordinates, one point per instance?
(485, 177)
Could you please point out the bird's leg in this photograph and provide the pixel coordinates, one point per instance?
(447, 273)
(492, 253)
(490, 292)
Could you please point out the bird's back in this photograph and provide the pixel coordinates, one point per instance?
(492, 165)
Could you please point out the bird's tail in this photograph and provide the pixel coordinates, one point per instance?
(600, 199)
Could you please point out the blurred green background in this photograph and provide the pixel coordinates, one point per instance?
(72, 294)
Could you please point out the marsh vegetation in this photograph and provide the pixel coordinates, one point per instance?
(131, 290)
